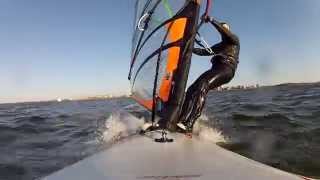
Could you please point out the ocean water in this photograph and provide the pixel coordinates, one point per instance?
(278, 125)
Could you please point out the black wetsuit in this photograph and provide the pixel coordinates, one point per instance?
(224, 65)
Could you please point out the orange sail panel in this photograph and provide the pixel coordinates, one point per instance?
(176, 32)
(147, 103)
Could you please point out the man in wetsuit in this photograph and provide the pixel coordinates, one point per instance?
(224, 64)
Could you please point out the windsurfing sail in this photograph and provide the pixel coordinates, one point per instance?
(163, 38)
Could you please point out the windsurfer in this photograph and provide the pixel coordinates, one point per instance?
(224, 64)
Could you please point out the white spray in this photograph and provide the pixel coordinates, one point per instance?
(122, 124)
(206, 133)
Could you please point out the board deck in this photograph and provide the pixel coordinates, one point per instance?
(139, 157)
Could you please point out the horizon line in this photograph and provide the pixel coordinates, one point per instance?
(128, 94)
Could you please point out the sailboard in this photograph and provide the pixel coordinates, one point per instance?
(139, 157)
(163, 38)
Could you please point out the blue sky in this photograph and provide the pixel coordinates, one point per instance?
(77, 48)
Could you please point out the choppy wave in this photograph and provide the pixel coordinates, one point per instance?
(37, 139)
(276, 125)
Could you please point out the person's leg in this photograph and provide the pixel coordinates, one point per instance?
(195, 98)
(197, 92)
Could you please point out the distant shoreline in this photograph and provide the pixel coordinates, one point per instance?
(248, 87)
(66, 100)
(105, 97)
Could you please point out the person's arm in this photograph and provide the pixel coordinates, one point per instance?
(225, 34)
(201, 52)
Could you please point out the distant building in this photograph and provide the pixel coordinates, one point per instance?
(238, 87)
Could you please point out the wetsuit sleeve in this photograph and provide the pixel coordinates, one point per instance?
(225, 34)
(201, 52)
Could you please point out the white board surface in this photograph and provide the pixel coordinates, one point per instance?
(185, 159)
